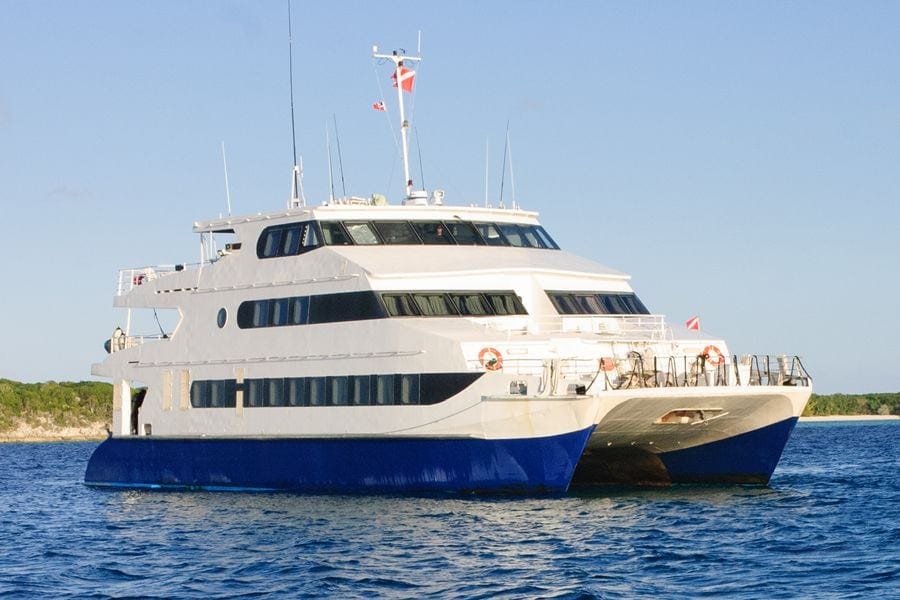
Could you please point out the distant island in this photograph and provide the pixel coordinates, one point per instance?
(83, 410)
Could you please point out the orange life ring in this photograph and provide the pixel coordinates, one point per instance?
(713, 355)
(607, 364)
(490, 359)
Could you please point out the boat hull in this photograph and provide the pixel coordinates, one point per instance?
(340, 465)
(747, 458)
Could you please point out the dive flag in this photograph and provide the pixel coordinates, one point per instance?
(406, 78)
(693, 323)
(379, 106)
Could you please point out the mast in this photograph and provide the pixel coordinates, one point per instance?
(398, 59)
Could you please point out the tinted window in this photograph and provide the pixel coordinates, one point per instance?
(295, 391)
(433, 305)
(397, 232)
(471, 304)
(506, 304)
(352, 306)
(334, 234)
(514, 234)
(491, 234)
(595, 303)
(400, 305)
(359, 390)
(464, 233)
(432, 232)
(356, 390)
(316, 391)
(361, 233)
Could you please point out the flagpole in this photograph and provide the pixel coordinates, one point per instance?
(404, 125)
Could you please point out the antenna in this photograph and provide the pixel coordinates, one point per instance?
(298, 198)
(330, 174)
(503, 167)
(401, 82)
(512, 177)
(487, 145)
(227, 192)
(419, 151)
(337, 137)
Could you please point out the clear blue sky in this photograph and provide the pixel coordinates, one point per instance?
(740, 160)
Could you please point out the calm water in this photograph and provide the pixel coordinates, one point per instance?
(827, 526)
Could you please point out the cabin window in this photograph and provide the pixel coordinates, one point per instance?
(316, 391)
(342, 390)
(491, 234)
(432, 232)
(400, 305)
(295, 391)
(280, 310)
(433, 305)
(221, 318)
(464, 233)
(597, 303)
(261, 313)
(409, 389)
(359, 390)
(334, 235)
(361, 233)
(506, 304)
(384, 389)
(471, 304)
(397, 232)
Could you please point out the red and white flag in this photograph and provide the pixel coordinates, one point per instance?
(406, 79)
(379, 106)
(693, 323)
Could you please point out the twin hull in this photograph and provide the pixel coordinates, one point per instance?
(616, 437)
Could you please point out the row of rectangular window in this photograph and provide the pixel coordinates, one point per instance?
(310, 310)
(296, 238)
(344, 390)
(592, 303)
(443, 304)
(357, 306)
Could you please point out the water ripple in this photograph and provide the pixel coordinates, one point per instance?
(827, 526)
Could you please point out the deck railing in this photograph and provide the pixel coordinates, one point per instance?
(130, 278)
(634, 371)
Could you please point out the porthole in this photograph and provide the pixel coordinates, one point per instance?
(221, 318)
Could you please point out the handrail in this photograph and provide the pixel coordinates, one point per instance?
(633, 371)
(132, 277)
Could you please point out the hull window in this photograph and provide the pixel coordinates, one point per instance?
(402, 389)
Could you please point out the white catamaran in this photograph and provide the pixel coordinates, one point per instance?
(362, 346)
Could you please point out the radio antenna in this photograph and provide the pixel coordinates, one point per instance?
(298, 198)
(227, 191)
(503, 166)
(337, 139)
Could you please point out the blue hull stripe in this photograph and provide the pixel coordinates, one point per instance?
(747, 458)
(340, 465)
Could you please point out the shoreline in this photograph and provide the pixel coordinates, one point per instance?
(97, 433)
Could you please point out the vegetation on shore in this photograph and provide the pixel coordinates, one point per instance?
(853, 404)
(76, 404)
(63, 404)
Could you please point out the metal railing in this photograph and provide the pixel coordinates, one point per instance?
(128, 279)
(634, 371)
(651, 327)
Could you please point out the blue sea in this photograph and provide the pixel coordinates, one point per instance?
(827, 526)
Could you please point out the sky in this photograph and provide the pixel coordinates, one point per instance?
(741, 160)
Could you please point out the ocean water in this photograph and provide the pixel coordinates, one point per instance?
(827, 526)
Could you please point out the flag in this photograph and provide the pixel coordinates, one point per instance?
(406, 78)
(379, 106)
(693, 323)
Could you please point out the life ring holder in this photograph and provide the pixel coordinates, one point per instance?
(490, 358)
(713, 355)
